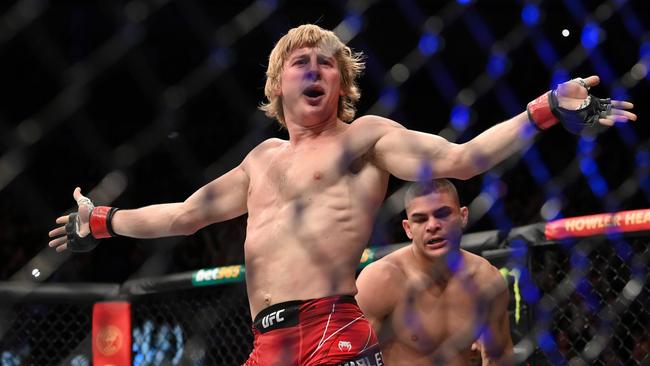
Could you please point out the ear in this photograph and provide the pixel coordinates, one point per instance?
(277, 89)
(464, 214)
(407, 228)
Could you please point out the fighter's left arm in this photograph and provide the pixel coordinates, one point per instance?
(407, 154)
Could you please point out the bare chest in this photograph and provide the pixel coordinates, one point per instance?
(426, 319)
(289, 174)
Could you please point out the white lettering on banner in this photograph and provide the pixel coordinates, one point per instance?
(207, 274)
(606, 220)
(634, 218)
(219, 273)
(590, 223)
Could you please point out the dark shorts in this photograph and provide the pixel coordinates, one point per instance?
(327, 331)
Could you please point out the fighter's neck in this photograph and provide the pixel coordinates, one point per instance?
(301, 132)
(439, 270)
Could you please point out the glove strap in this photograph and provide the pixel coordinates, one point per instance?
(540, 111)
(101, 222)
(77, 243)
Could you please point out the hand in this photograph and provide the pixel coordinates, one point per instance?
(85, 206)
(572, 94)
(475, 358)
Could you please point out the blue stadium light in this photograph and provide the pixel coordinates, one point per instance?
(578, 260)
(627, 134)
(546, 341)
(644, 50)
(496, 65)
(590, 35)
(559, 76)
(460, 117)
(545, 50)
(529, 292)
(537, 167)
(429, 43)
(630, 20)
(585, 289)
(530, 14)
(354, 21)
(388, 98)
(588, 166)
(519, 249)
(620, 93)
(598, 185)
(463, 2)
(623, 249)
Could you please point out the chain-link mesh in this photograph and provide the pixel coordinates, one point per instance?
(590, 311)
(33, 333)
(152, 99)
(204, 326)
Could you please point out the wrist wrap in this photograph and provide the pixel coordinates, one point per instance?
(100, 222)
(540, 111)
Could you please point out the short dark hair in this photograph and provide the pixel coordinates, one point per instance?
(440, 185)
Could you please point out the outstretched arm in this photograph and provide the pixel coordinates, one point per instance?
(406, 154)
(222, 199)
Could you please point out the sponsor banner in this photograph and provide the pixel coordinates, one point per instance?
(600, 224)
(111, 333)
(218, 275)
(237, 273)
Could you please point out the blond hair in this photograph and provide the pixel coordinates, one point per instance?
(309, 35)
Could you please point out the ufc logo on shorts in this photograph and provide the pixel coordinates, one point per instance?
(345, 346)
(272, 318)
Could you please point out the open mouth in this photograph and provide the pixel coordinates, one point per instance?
(313, 91)
(435, 241)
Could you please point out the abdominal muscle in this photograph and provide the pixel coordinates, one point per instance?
(304, 250)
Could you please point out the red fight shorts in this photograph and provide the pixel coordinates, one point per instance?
(327, 331)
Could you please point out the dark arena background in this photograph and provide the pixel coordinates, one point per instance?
(142, 102)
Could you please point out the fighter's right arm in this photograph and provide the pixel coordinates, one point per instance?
(378, 293)
(222, 199)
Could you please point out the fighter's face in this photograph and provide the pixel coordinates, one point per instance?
(310, 86)
(435, 224)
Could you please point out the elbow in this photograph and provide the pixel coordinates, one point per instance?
(468, 165)
(184, 224)
(467, 169)
(467, 173)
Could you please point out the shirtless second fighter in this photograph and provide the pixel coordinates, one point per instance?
(436, 299)
(311, 200)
